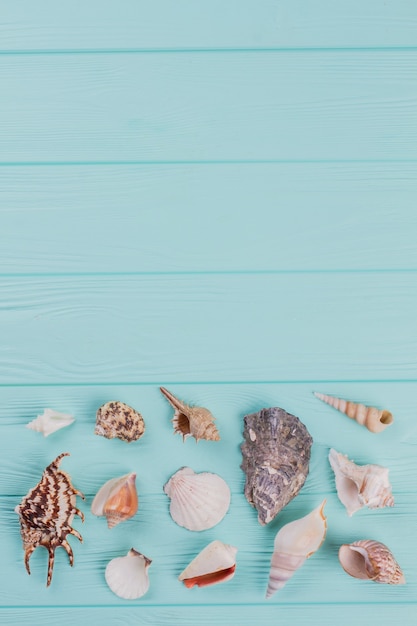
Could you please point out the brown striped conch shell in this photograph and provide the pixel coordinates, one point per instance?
(360, 485)
(374, 419)
(127, 576)
(370, 560)
(198, 501)
(50, 421)
(118, 420)
(215, 564)
(117, 500)
(191, 421)
(295, 542)
(276, 455)
(46, 515)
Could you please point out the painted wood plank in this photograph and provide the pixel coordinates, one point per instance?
(194, 328)
(137, 218)
(185, 24)
(216, 106)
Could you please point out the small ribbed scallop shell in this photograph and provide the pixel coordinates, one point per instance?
(127, 576)
(191, 421)
(360, 485)
(215, 564)
(117, 419)
(50, 421)
(198, 501)
(374, 419)
(294, 543)
(371, 560)
(117, 499)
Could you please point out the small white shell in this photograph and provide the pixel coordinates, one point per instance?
(117, 499)
(360, 485)
(50, 421)
(127, 576)
(215, 564)
(198, 501)
(294, 543)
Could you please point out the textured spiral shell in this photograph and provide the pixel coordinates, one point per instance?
(191, 421)
(371, 560)
(375, 420)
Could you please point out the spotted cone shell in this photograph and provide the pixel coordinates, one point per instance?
(118, 420)
(276, 454)
(46, 515)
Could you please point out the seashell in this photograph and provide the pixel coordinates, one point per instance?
(294, 543)
(198, 501)
(276, 454)
(117, 499)
(374, 419)
(191, 421)
(215, 564)
(127, 576)
(360, 485)
(371, 560)
(116, 419)
(50, 421)
(46, 514)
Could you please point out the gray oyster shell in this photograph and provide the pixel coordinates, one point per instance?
(276, 454)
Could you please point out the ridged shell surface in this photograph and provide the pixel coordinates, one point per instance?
(375, 420)
(371, 560)
(118, 420)
(191, 421)
(360, 485)
(198, 501)
(276, 455)
(50, 421)
(46, 515)
(127, 576)
(294, 543)
(117, 500)
(216, 563)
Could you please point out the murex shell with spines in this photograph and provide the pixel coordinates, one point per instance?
(46, 515)
(276, 455)
(118, 420)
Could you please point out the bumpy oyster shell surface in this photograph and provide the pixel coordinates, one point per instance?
(276, 454)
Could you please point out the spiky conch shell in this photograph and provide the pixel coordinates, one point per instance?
(46, 514)
(371, 560)
(118, 420)
(50, 421)
(216, 563)
(191, 421)
(198, 500)
(360, 485)
(117, 500)
(294, 543)
(375, 420)
(127, 576)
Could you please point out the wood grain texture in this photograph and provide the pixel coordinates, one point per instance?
(198, 107)
(197, 328)
(185, 24)
(188, 218)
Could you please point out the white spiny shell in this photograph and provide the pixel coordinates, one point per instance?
(215, 564)
(117, 499)
(360, 485)
(127, 576)
(50, 421)
(198, 501)
(294, 543)
(371, 560)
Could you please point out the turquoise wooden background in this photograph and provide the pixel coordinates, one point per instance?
(218, 196)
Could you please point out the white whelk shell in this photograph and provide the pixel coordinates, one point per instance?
(50, 421)
(360, 485)
(198, 501)
(117, 499)
(127, 576)
(371, 560)
(215, 564)
(294, 543)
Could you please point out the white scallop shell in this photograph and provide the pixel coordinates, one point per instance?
(50, 421)
(216, 563)
(127, 576)
(198, 501)
(360, 485)
(294, 543)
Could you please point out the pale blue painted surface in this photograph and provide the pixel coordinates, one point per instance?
(218, 197)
